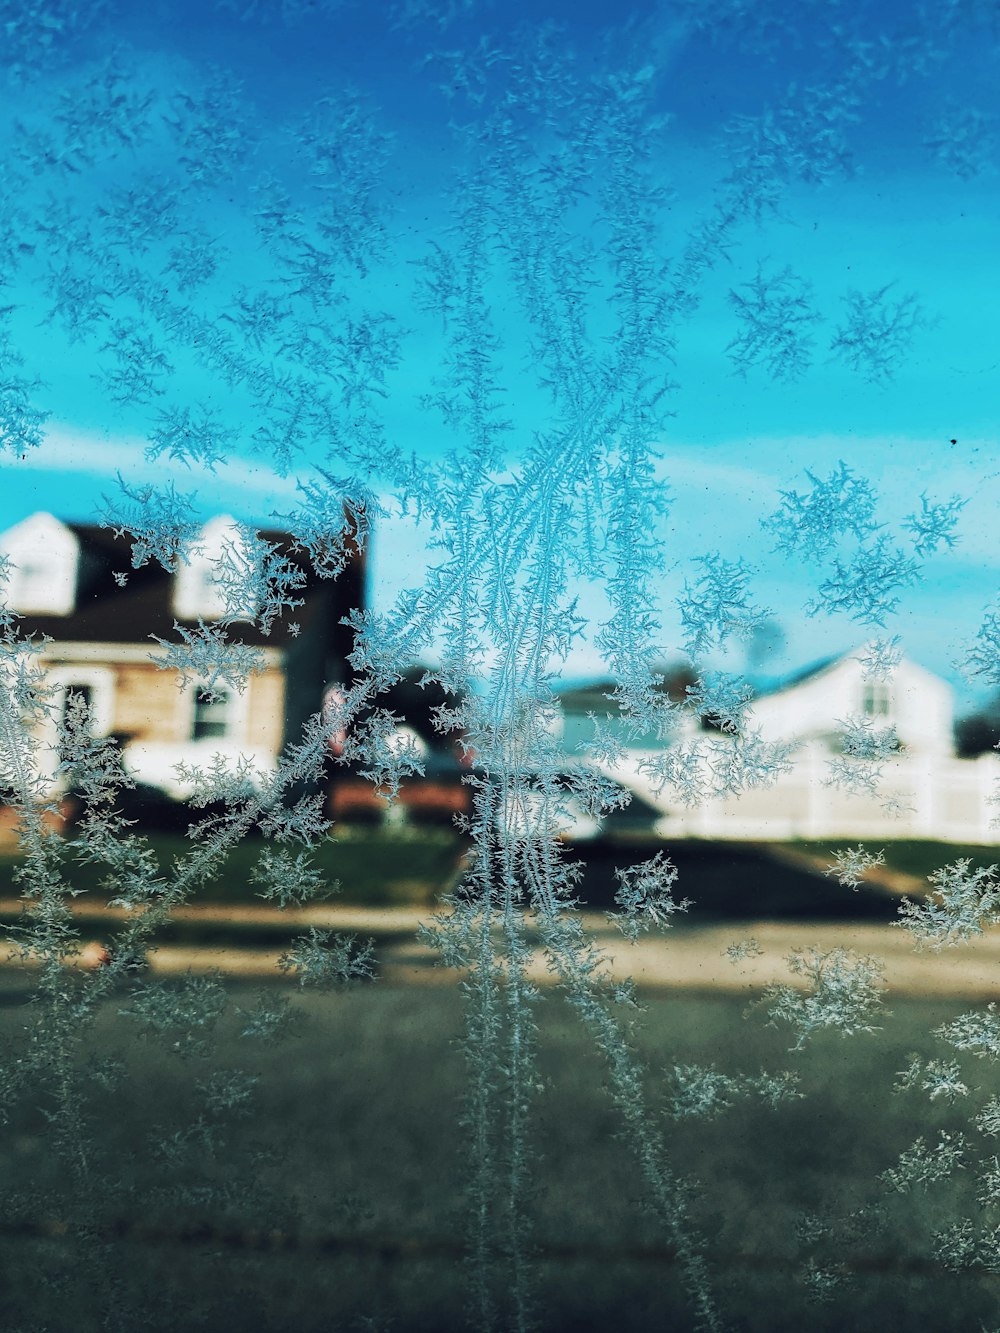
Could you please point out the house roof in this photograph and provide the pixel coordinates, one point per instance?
(594, 694)
(799, 676)
(108, 613)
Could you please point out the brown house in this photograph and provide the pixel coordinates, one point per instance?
(75, 584)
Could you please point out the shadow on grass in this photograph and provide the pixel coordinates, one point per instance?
(740, 881)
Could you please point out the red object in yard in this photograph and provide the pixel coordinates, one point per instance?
(94, 955)
(352, 796)
(334, 700)
(423, 799)
(436, 798)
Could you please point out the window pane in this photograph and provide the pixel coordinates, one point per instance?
(212, 715)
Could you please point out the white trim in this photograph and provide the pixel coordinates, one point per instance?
(129, 654)
(239, 715)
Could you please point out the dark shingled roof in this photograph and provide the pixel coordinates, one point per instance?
(108, 613)
(594, 695)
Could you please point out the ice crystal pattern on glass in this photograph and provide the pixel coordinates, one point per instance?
(245, 271)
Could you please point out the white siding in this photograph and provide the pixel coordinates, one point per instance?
(920, 706)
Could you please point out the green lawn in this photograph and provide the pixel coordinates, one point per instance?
(352, 1157)
(379, 867)
(374, 868)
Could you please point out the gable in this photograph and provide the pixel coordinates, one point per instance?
(197, 594)
(44, 557)
(916, 703)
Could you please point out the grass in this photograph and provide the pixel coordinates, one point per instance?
(351, 1157)
(379, 867)
(372, 867)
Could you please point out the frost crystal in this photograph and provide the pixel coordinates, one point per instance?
(717, 605)
(921, 1165)
(208, 659)
(935, 523)
(878, 332)
(982, 657)
(843, 992)
(964, 141)
(812, 523)
(988, 1119)
(645, 896)
(939, 1078)
(776, 318)
(851, 865)
(880, 659)
(161, 523)
(868, 586)
(963, 901)
(700, 1092)
(322, 958)
(740, 950)
(190, 435)
(977, 1032)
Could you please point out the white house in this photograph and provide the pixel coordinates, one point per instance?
(866, 758)
(815, 704)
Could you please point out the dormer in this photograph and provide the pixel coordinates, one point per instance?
(197, 592)
(44, 557)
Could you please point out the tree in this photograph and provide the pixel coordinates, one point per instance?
(979, 732)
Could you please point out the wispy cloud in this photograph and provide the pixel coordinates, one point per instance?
(70, 451)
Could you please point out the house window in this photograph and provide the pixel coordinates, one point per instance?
(213, 714)
(85, 693)
(876, 699)
(95, 686)
(40, 585)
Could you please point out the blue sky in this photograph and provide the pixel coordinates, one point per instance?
(916, 209)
